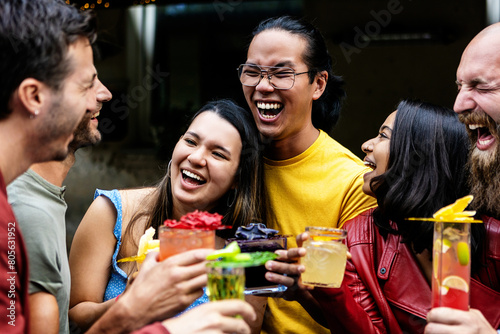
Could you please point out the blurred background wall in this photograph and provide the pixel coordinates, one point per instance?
(162, 60)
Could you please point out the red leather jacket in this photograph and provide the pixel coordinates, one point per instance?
(385, 291)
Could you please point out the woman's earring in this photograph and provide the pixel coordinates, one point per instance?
(230, 203)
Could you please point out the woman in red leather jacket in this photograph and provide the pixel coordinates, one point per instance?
(419, 165)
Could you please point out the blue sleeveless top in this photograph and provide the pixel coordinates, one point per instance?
(118, 278)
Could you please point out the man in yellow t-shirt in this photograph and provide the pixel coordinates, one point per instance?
(311, 179)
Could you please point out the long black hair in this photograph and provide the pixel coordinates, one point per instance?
(426, 171)
(326, 109)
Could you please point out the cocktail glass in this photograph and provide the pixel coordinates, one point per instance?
(325, 258)
(256, 282)
(225, 281)
(451, 265)
(177, 240)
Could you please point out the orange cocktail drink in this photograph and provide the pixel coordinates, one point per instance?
(194, 230)
(177, 240)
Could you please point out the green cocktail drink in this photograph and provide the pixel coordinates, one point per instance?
(225, 282)
(226, 271)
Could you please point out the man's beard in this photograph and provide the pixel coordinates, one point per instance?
(84, 135)
(484, 167)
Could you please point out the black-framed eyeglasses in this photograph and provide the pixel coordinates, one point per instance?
(278, 77)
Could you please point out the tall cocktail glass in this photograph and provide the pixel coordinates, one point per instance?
(326, 257)
(451, 265)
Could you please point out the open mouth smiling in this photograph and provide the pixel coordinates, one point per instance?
(482, 129)
(269, 110)
(192, 178)
(369, 163)
(95, 115)
(482, 134)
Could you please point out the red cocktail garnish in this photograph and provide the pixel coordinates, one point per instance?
(200, 220)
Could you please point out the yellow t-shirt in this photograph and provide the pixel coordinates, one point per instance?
(320, 187)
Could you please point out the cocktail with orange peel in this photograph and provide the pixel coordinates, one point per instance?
(451, 254)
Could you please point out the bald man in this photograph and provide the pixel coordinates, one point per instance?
(478, 106)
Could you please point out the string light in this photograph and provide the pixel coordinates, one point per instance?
(94, 4)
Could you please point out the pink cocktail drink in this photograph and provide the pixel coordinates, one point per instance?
(451, 265)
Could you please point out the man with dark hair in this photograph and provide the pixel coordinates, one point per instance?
(47, 86)
(310, 178)
(37, 198)
(478, 106)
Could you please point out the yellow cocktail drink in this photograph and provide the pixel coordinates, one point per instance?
(326, 257)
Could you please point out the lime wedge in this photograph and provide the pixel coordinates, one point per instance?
(242, 257)
(463, 253)
(229, 251)
(245, 259)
